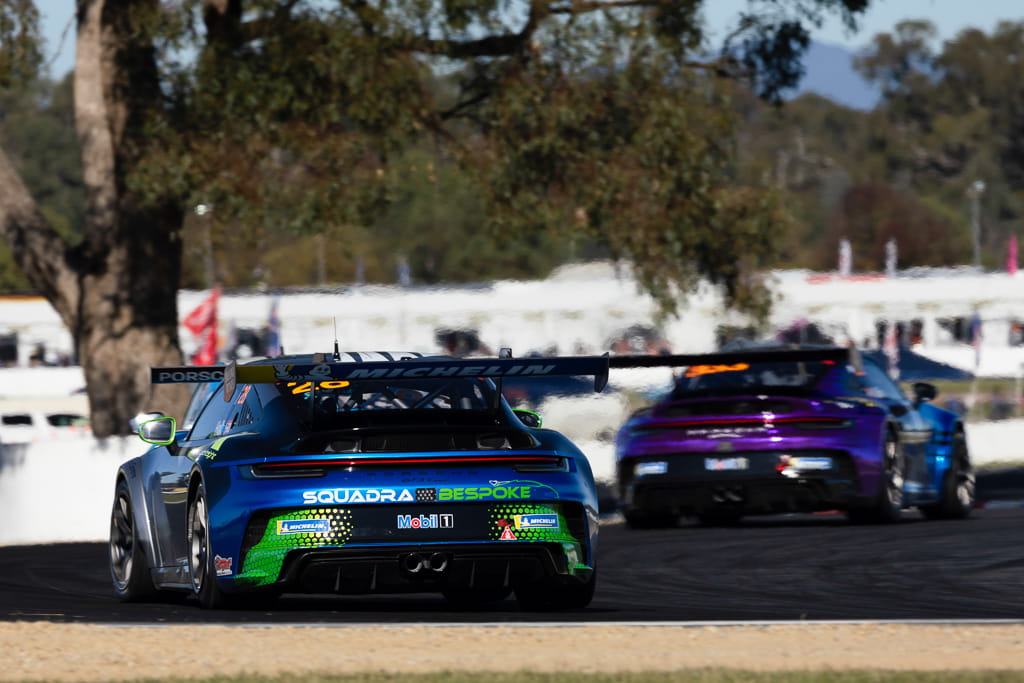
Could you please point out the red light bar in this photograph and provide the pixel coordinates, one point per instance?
(353, 462)
(738, 422)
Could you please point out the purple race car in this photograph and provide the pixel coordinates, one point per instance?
(787, 430)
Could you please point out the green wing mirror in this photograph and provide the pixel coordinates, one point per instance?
(159, 431)
(528, 418)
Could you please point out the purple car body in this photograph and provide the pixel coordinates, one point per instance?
(791, 430)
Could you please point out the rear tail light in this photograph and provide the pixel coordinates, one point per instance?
(318, 468)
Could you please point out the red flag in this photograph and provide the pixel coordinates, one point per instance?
(1011, 256)
(207, 353)
(202, 322)
(204, 315)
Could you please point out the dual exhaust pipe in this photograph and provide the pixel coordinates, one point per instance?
(724, 494)
(415, 563)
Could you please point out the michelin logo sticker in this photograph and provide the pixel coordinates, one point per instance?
(536, 521)
(303, 526)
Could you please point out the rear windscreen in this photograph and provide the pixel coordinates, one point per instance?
(744, 377)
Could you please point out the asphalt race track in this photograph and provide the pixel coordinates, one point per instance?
(815, 567)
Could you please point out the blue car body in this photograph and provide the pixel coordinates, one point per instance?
(356, 475)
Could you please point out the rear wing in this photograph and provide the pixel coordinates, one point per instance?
(492, 368)
(757, 355)
(413, 368)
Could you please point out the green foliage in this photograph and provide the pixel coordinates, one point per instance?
(545, 125)
(475, 138)
(948, 117)
(953, 117)
(871, 214)
(20, 53)
(636, 156)
(37, 132)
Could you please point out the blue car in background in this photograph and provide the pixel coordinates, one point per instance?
(358, 473)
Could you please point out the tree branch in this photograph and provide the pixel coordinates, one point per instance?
(37, 248)
(92, 118)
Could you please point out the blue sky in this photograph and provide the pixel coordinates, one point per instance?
(950, 16)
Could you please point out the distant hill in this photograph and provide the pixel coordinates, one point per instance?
(829, 72)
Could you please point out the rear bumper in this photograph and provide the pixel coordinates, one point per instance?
(751, 496)
(688, 488)
(421, 568)
(413, 547)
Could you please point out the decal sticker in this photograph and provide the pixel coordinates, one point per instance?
(222, 565)
(485, 493)
(303, 526)
(263, 561)
(500, 490)
(506, 534)
(536, 521)
(186, 374)
(356, 496)
(443, 521)
(644, 469)
(726, 464)
(529, 522)
(321, 372)
(724, 432)
(302, 387)
(426, 495)
(698, 370)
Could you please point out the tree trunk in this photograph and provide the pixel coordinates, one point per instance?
(116, 290)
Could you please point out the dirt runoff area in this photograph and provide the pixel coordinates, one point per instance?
(78, 652)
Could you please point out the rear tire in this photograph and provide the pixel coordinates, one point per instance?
(551, 597)
(888, 505)
(957, 485)
(201, 564)
(128, 566)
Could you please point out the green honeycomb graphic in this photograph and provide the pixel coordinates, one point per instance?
(263, 561)
(502, 521)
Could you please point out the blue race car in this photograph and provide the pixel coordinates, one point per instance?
(357, 474)
(790, 430)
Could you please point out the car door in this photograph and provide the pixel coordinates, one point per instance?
(914, 430)
(168, 469)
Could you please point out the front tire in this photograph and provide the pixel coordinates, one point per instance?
(957, 485)
(200, 555)
(128, 568)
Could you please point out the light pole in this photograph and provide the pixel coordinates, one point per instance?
(204, 211)
(974, 192)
